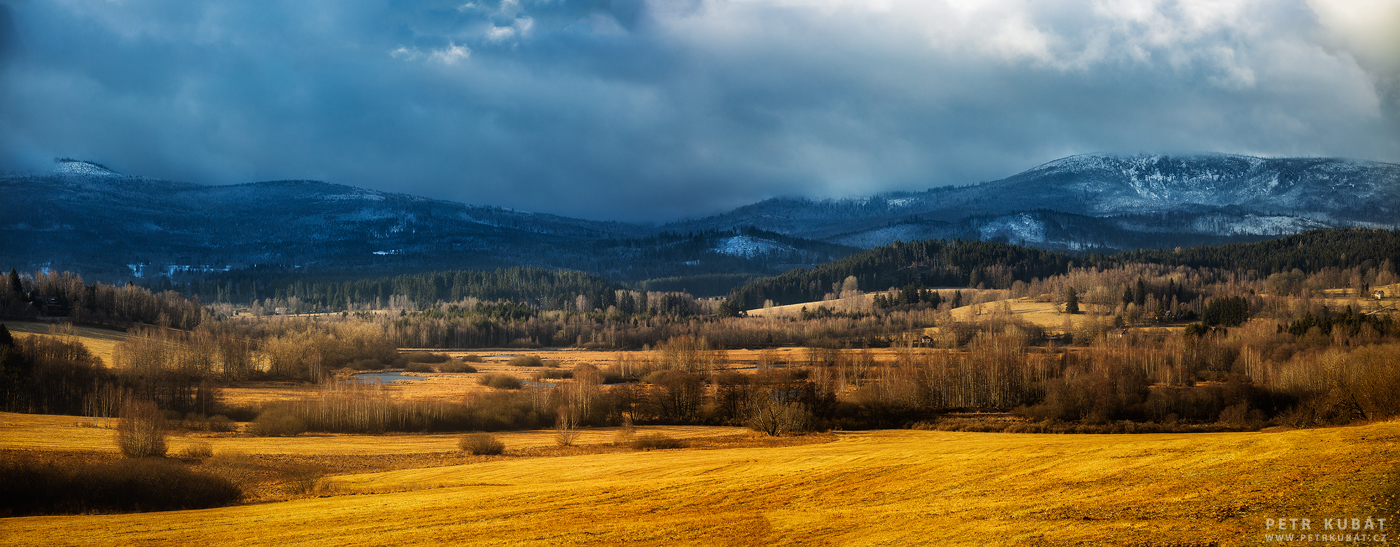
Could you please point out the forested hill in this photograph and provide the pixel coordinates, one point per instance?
(542, 287)
(927, 263)
(954, 263)
(1309, 251)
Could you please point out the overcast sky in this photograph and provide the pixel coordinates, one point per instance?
(656, 111)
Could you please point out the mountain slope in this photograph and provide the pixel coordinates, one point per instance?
(88, 218)
(1105, 201)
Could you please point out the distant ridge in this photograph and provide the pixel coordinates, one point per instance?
(89, 218)
(1105, 201)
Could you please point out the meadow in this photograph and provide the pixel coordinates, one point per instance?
(811, 484)
(851, 488)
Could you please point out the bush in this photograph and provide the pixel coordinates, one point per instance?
(237, 467)
(482, 444)
(656, 441)
(626, 433)
(554, 374)
(473, 358)
(197, 451)
(220, 423)
(456, 367)
(774, 418)
(277, 423)
(526, 361)
(303, 478)
(499, 381)
(502, 410)
(141, 433)
(31, 487)
(426, 357)
(414, 366)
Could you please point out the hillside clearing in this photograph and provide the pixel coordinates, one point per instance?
(97, 340)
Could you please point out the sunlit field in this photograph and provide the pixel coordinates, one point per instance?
(813, 484)
(864, 488)
(99, 341)
(40, 432)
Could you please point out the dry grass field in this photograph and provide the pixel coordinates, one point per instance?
(40, 432)
(867, 488)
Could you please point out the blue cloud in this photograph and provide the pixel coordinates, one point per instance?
(661, 110)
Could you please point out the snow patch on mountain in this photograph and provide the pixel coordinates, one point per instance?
(1276, 225)
(73, 167)
(748, 246)
(1015, 228)
(884, 235)
(354, 196)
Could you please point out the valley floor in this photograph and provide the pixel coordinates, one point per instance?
(863, 488)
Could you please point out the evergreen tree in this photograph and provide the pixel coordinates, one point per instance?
(15, 284)
(1071, 301)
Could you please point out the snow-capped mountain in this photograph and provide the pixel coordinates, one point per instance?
(86, 217)
(1105, 201)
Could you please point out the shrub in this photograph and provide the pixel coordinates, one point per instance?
(774, 418)
(367, 364)
(526, 361)
(499, 381)
(482, 444)
(149, 484)
(502, 410)
(277, 423)
(304, 478)
(237, 467)
(220, 423)
(626, 433)
(426, 357)
(656, 441)
(456, 367)
(197, 451)
(566, 428)
(141, 433)
(554, 374)
(414, 366)
(473, 358)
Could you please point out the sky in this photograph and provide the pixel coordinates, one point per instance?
(657, 111)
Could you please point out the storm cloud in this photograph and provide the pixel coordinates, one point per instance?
(655, 111)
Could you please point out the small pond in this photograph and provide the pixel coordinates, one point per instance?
(385, 377)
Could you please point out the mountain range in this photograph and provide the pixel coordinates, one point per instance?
(1105, 201)
(87, 218)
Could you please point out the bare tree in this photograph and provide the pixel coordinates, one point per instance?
(141, 433)
(773, 416)
(566, 427)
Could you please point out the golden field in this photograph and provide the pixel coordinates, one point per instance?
(862, 488)
(40, 432)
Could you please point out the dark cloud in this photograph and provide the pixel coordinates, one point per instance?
(655, 111)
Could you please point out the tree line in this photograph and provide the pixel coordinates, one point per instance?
(956, 263)
(64, 294)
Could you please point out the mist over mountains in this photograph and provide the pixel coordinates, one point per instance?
(86, 218)
(1104, 201)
